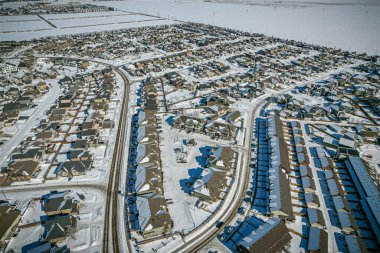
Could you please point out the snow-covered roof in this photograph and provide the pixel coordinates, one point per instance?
(374, 205)
(344, 219)
(152, 212)
(352, 244)
(354, 164)
(338, 202)
(333, 188)
(315, 216)
(147, 179)
(141, 152)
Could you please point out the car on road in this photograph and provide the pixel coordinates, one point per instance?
(241, 210)
(219, 224)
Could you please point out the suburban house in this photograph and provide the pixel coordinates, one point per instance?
(153, 216)
(59, 203)
(9, 218)
(23, 170)
(59, 227)
(210, 186)
(73, 168)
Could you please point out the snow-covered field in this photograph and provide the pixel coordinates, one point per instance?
(20, 26)
(85, 15)
(19, 18)
(31, 26)
(80, 21)
(38, 34)
(353, 27)
(175, 174)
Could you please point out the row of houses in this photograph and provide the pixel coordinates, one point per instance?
(46, 8)
(209, 69)
(279, 167)
(172, 39)
(213, 129)
(255, 234)
(231, 47)
(354, 214)
(283, 52)
(61, 210)
(178, 81)
(148, 208)
(159, 64)
(69, 130)
(305, 201)
(343, 95)
(20, 87)
(284, 186)
(10, 216)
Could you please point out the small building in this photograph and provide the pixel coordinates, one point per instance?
(311, 199)
(9, 218)
(33, 154)
(210, 186)
(23, 170)
(308, 184)
(48, 247)
(315, 217)
(355, 244)
(59, 203)
(347, 222)
(59, 227)
(73, 168)
(145, 134)
(153, 216)
(270, 237)
(317, 241)
(233, 117)
(221, 158)
(147, 179)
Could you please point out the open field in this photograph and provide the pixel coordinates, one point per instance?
(23, 26)
(32, 26)
(80, 21)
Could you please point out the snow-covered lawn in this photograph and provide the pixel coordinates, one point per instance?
(186, 216)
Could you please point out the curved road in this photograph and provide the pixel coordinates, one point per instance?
(230, 208)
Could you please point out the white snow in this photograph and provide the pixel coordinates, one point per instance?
(23, 26)
(190, 215)
(342, 26)
(95, 27)
(100, 20)
(19, 18)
